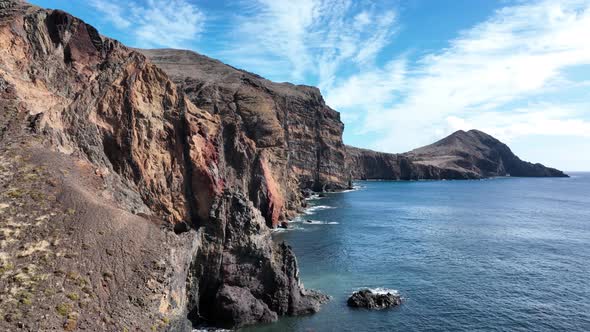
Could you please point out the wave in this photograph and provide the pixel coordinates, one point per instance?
(320, 222)
(354, 188)
(312, 209)
(380, 290)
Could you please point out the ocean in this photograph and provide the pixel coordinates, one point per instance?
(503, 254)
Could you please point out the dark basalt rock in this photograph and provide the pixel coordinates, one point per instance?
(365, 298)
(236, 307)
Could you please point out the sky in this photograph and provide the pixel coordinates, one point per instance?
(402, 73)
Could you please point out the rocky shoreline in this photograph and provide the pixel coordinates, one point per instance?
(139, 188)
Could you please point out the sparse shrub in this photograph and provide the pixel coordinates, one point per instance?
(15, 193)
(63, 309)
(73, 296)
(30, 176)
(6, 267)
(49, 291)
(37, 196)
(82, 282)
(72, 275)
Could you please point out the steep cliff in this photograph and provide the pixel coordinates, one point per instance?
(304, 136)
(103, 157)
(462, 155)
(138, 189)
(294, 135)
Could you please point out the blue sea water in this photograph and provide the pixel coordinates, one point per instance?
(505, 254)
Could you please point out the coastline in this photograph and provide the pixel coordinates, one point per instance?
(418, 247)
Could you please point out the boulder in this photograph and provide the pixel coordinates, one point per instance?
(365, 298)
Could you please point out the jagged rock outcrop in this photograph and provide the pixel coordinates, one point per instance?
(102, 154)
(462, 155)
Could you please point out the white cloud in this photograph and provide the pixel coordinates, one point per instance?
(308, 38)
(114, 11)
(546, 120)
(174, 23)
(521, 52)
(372, 87)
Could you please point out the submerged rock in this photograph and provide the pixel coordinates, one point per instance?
(365, 298)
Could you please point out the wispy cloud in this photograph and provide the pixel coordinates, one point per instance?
(535, 119)
(152, 23)
(484, 75)
(309, 38)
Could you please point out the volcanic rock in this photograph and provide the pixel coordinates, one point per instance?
(462, 155)
(74, 102)
(365, 298)
(101, 146)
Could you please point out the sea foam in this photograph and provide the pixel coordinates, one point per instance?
(315, 208)
(380, 290)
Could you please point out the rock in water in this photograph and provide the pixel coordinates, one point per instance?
(365, 298)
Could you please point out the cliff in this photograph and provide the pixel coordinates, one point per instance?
(461, 155)
(294, 133)
(138, 188)
(125, 206)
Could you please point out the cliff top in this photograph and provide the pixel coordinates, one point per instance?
(184, 63)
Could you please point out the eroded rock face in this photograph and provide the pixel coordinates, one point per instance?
(462, 155)
(106, 153)
(295, 138)
(365, 298)
(153, 158)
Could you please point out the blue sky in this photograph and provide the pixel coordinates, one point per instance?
(402, 73)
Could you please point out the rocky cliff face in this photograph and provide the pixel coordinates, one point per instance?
(295, 138)
(102, 156)
(462, 155)
(137, 193)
